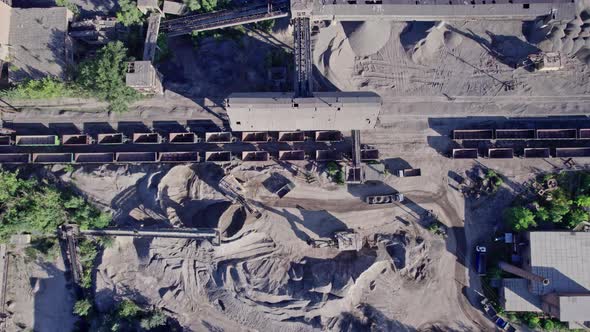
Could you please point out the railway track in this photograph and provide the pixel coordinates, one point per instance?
(224, 18)
(303, 57)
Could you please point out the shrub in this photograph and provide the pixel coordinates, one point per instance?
(583, 201)
(45, 88)
(155, 319)
(128, 309)
(533, 322)
(575, 217)
(548, 325)
(83, 307)
(519, 218)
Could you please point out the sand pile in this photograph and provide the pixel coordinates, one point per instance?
(266, 277)
(366, 38)
(571, 38)
(183, 193)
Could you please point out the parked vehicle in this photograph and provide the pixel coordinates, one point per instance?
(385, 199)
(480, 260)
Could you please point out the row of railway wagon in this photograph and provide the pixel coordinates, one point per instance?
(214, 138)
(525, 143)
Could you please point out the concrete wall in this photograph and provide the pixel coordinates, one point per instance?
(5, 12)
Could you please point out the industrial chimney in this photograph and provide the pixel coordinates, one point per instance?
(523, 273)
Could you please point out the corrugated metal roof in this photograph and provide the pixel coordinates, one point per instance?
(323, 111)
(563, 258)
(574, 308)
(38, 42)
(517, 297)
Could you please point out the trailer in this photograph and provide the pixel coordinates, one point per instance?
(147, 138)
(219, 137)
(328, 136)
(537, 153)
(182, 138)
(53, 158)
(328, 155)
(72, 140)
(409, 172)
(572, 152)
(5, 141)
(473, 134)
(255, 136)
(135, 157)
(110, 139)
(97, 158)
(501, 153)
(254, 156)
(15, 158)
(369, 154)
(291, 155)
(515, 134)
(179, 157)
(218, 156)
(557, 133)
(37, 140)
(291, 136)
(465, 153)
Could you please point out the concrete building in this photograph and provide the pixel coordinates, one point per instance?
(556, 278)
(282, 112)
(35, 41)
(175, 8)
(144, 77)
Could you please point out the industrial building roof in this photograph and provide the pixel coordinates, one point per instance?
(140, 74)
(435, 10)
(38, 42)
(323, 111)
(561, 257)
(574, 308)
(517, 296)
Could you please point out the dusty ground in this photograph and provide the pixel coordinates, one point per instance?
(264, 276)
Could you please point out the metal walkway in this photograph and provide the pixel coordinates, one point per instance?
(177, 233)
(303, 57)
(224, 18)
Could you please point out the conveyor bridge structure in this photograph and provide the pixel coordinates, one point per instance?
(224, 18)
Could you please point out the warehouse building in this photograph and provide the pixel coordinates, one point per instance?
(555, 278)
(34, 42)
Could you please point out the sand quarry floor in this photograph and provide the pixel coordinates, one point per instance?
(264, 276)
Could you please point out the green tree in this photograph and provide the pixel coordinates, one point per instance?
(549, 325)
(542, 214)
(128, 309)
(155, 319)
(129, 14)
(83, 307)
(583, 201)
(575, 217)
(105, 75)
(193, 5)
(519, 218)
(533, 322)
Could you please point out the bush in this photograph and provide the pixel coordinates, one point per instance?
(575, 217)
(129, 14)
(128, 309)
(533, 322)
(46, 88)
(583, 201)
(548, 325)
(83, 307)
(519, 218)
(155, 319)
